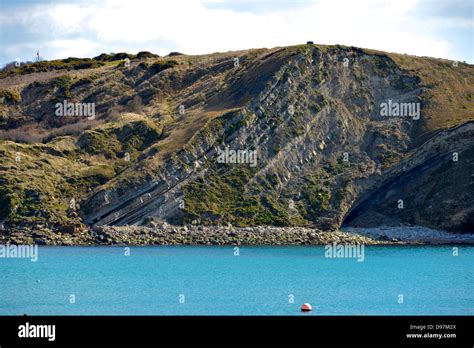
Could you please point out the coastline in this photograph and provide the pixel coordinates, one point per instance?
(165, 234)
(411, 234)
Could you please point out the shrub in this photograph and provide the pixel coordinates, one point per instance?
(82, 82)
(98, 142)
(135, 105)
(10, 97)
(69, 129)
(161, 65)
(122, 55)
(113, 114)
(31, 134)
(63, 83)
(146, 54)
(104, 57)
(22, 136)
(110, 57)
(51, 65)
(88, 65)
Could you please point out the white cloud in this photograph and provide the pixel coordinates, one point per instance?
(73, 48)
(192, 27)
(70, 18)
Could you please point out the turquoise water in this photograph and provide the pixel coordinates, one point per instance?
(152, 280)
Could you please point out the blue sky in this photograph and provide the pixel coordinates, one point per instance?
(86, 28)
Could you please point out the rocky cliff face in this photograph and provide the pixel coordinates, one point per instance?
(309, 135)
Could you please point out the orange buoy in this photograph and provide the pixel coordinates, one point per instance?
(306, 307)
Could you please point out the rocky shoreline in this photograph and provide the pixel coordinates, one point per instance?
(165, 234)
(413, 234)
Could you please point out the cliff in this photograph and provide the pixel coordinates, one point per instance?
(324, 136)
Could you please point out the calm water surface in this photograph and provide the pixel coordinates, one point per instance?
(262, 280)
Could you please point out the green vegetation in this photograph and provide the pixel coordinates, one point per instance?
(63, 84)
(112, 57)
(447, 92)
(52, 65)
(82, 82)
(317, 193)
(161, 65)
(37, 188)
(113, 140)
(34, 189)
(99, 143)
(138, 119)
(230, 197)
(146, 54)
(226, 197)
(10, 97)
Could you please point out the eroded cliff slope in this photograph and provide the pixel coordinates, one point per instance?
(323, 136)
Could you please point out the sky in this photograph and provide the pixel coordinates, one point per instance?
(86, 28)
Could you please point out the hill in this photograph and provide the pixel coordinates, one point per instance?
(341, 136)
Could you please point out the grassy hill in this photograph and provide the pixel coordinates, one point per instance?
(159, 121)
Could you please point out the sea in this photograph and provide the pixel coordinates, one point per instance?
(244, 280)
